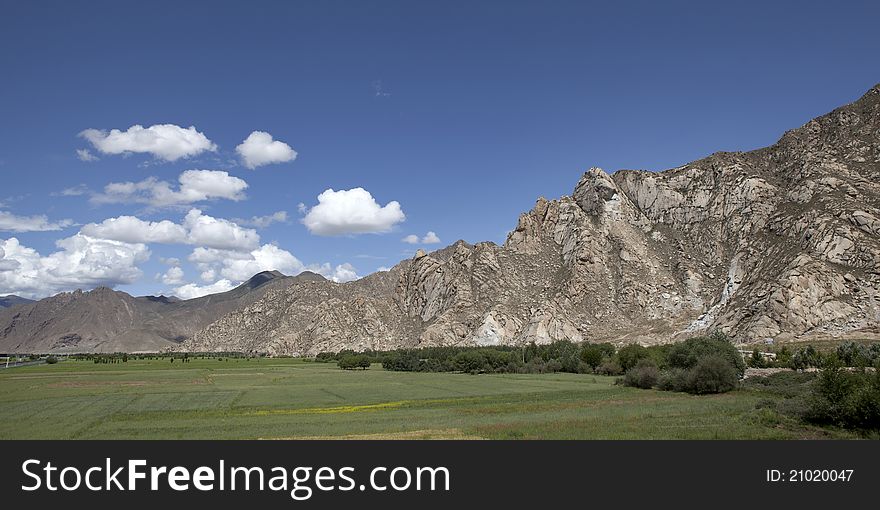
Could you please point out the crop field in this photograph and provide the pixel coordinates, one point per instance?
(297, 399)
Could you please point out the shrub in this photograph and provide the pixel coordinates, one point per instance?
(673, 379)
(630, 355)
(609, 367)
(853, 354)
(686, 354)
(846, 399)
(472, 362)
(805, 357)
(644, 375)
(711, 374)
(756, 360)
(593, 354)
(51, 360)
(352, 361)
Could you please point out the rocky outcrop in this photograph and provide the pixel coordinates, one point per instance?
(781, 242)
(778, 242)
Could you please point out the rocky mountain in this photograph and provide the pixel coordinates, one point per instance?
(105, 320)
(12, 300)
(780, 242)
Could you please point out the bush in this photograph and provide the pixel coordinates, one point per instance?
(51, 360)
(711, 374)
(629, 356)
(609, 367)
(686, 354)
(805, 357)
(845, 399)
(353, 361)
(853, 354)
(756, 360)
(673, 379)
(593, 354)
(472, 362)
(644, 375)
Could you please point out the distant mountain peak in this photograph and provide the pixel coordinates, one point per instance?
(13, 300)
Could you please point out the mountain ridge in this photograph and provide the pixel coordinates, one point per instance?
(107, 320)
(780, 242)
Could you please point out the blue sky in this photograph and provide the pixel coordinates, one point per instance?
(462, 113)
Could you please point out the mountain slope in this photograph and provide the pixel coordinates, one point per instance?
(779, 242)
(104, 320)
(12, 300)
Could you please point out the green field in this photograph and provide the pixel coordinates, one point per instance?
(286, 398)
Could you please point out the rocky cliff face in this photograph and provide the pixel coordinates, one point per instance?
(779, 242)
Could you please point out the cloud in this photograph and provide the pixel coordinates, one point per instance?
(218, 233)
(130, 229)
(340, 274)
(196, 229)
(192, 291)
(429, 238)
(383, 269)
(80, 262)
(208, 276)
(164, 141)
(170, 261)
(263, 221)
(75, 191)
(195, 186)
(353, 211)
(85, 155)
(39, 223)
(174, 276)
(238, 266)
(260, 149)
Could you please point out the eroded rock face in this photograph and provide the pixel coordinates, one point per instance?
(782, 241)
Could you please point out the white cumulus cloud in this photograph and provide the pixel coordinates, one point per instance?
(192, 291)
(174, 276)
(352, 211)
(195, 186)
(197, 229)
(429, 238)
(80, 262)
(218, 233)
(260, 149)
(339, 274)
(130, 229)
(164, 141)
(237, 266)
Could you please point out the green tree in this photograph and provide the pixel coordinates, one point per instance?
(630, 355)
(471, 361)
(712, 374)
(592, 355)
(687, 354)
(805, 357)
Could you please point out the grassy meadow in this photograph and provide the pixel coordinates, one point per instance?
(297, 399)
